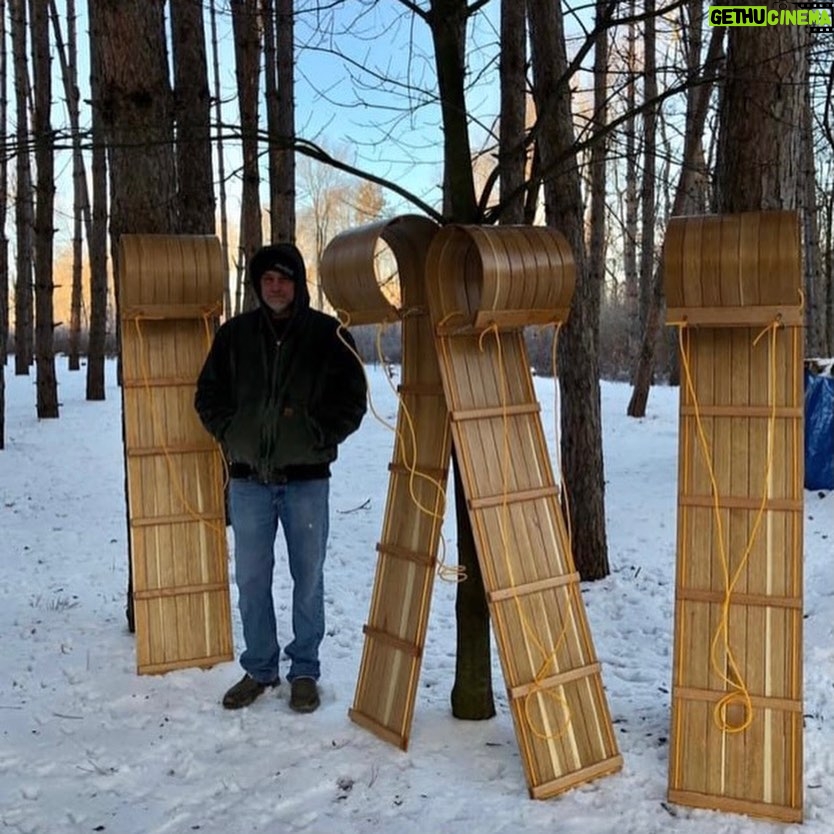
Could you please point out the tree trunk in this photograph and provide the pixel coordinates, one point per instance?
(221, 165)
(631, 199)
(283, 176)
(685, 200)
(648, 208)
(814, 288)
(447, 20)
(47, 383)
(578, 345)
(246, 25)
(192, 108)
(68, 58)
(97, 240)
(512, 152)
(472, 696)
(137, 113)
(135, 104)
(760, 136)
(599, 162)
(24, 209)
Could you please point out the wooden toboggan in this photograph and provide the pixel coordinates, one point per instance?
(466, 373)
(733, 287)
(170, 297)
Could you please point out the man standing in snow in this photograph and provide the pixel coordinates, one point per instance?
(280, 390)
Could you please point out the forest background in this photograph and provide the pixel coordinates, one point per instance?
(269, 120)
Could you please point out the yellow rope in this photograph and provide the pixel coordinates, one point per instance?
(549, 657)
(445, 572)
(734, 679)
(173, 473)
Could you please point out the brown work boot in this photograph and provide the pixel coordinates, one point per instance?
(244, 692)
(304, 695)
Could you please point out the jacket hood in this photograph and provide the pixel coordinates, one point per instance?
(286, 259)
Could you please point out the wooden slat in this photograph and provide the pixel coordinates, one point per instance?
(500, 594)
(168, 312)
(492, 278)
(734, 284)
(389, 549)
(171, 289)
(735, 316)
(487, 501)
(497, 412)
(392, 640)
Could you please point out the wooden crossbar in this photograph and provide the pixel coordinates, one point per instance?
(499, 594)
(489, 501)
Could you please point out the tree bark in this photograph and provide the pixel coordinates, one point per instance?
(447, 21)
(472, 696)
(97, 240)
(512, 152)
(814, 287)
(631, 198)
(47, 383)
(280, 116)
(690, 181)
(578, 344)
(648, 207)
(246, 26)
(221, 165)
(68, 58)
(760, 135)
(599, 158)
(192, 108)
(135, 104)
(24, 208)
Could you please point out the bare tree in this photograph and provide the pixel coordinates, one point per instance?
(472, 696)
(192, 109)
(631, 199)
(47, 383)
(598, 156)
(247, 32)
(221, 164)
(686, 194)
(135, 103)
(512, 148)
(578, 345)
(68, 58)
(761, 108)
(280, 112)
(814, 288)
(649, 179)
(97, 238)
(24, 208)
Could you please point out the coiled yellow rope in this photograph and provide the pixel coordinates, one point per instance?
(729, 672)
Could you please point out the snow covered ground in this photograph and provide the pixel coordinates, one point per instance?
(87, 745)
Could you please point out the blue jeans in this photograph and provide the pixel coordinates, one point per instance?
(302, 508)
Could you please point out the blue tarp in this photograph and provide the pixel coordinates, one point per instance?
(819, 431)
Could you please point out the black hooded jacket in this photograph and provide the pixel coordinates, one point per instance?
(281, 394)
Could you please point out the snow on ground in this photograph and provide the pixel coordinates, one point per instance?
(87, 745)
